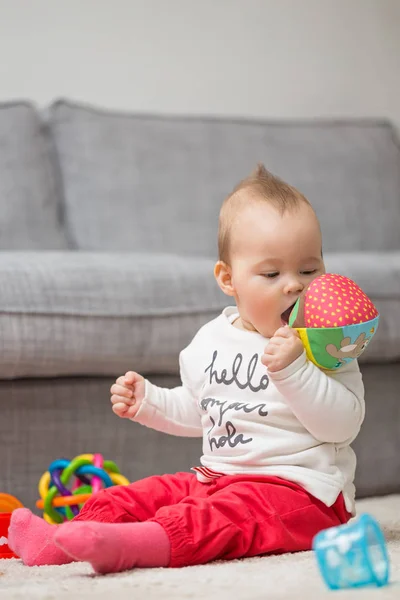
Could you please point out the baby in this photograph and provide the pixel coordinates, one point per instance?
(277, 466)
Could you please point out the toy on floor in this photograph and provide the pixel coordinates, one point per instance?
(8, 503)
(335, 320)
(353, 555)
(90, 472)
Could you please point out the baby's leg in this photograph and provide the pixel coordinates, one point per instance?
(123, 544)
(32, 538)
(138, 501)
(233, 517)
(114, 547)
(245, 516)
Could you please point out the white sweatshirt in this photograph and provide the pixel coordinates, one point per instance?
(296, 423)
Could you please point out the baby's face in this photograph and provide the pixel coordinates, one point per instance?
(273, 258)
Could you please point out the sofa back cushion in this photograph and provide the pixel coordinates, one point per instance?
(137, 182)
(30, 198)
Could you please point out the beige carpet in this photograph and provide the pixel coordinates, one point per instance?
(288, 576)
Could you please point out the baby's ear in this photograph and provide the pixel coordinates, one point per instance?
(223, 275)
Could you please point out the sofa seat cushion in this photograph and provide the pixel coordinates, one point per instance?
(378, 275)
(30, 194)
(76, 313)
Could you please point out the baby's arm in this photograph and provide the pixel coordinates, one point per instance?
(173, 411)
(331, 406)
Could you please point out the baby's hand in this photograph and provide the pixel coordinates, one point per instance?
(127, 394)
(283, 348)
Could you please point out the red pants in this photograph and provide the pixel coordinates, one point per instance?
(231, 517)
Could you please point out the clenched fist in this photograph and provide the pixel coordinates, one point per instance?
(283, 348)
(127, 394)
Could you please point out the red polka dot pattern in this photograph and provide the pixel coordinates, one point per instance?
(335, 301)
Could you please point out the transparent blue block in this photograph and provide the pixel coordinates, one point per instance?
(352, 555)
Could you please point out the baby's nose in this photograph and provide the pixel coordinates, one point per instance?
(294, 286)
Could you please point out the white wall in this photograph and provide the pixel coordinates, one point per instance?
(269, 58)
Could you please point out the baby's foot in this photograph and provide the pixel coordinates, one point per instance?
(114, 547)
(31, 538)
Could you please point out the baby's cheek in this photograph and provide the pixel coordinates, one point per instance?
(263, 304)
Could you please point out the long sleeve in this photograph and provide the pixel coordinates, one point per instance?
(330, 405)
(174, 411)
(171, 411)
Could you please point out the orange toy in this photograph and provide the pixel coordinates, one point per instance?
(8, 503)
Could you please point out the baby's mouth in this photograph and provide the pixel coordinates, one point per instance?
(286, 314)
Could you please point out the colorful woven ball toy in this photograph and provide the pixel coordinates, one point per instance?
(335, 320)
(86, 474)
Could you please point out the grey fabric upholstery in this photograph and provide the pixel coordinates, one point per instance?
(30, 195)
(107, 285)
(77, 313)
(377, 446)
(45, 419)
(156, 184)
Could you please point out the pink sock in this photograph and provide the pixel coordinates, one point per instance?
(113, 547)
(31, 538)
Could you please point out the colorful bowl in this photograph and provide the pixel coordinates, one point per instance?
(5, 551)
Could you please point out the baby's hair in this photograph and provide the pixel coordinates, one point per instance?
(260, 185)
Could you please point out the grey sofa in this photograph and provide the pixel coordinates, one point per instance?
(107, 243)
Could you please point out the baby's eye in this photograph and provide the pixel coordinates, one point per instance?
(271, 275)
(309, 272)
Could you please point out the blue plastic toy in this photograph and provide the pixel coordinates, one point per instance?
(353, 555)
